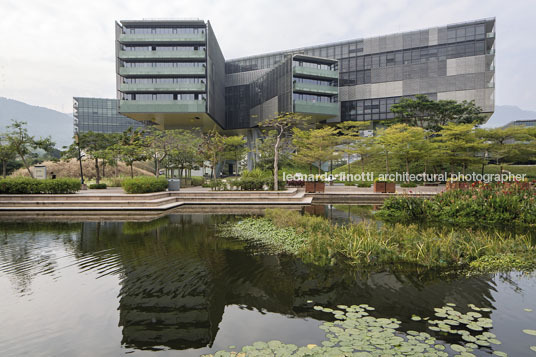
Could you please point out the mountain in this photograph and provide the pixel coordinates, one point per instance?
(506, 113)
(42, 122)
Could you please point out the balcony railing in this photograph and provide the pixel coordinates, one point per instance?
(166, 55)
(315, 88)
(302, 106)
(172, 106)
(162, 38)
(162, 87)
(315, 72)
(161, 71)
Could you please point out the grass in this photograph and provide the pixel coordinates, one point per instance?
(317, 240)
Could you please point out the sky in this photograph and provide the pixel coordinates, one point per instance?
(53, 50)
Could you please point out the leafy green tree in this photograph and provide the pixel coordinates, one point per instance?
(406, 143)
(24, 144)
(459, 145)
(211, 149)
(316, 145)
(430, 114)
(280, 126)
(184, 149)
(506, 144)
(7, 153)
(234, 149)
(350, 138)
(157, 146)
(131, 148)
(264, 151)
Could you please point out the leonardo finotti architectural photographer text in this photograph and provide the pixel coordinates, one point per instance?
(405, 177)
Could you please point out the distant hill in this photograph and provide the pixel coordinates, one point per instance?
(506, 113)
(41, 121)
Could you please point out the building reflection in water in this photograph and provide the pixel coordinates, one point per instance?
(177, 277)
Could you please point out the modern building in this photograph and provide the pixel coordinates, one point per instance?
(523, 122)
(172, 73)
(100, 115)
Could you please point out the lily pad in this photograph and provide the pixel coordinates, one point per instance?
(500, 353)
(457, 348)
(530, 332)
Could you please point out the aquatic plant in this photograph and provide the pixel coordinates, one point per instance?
(479, 205)
(356, 332)
(317, 240)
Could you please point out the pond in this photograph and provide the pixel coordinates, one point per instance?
(171, 286)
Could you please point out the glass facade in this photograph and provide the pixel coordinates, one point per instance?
(100, 115)
(379, 71)
(173, 61)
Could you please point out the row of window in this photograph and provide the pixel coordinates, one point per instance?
(162, 80)
(314, 65)
(161, 64)
(162, 30)
(417, 55)
(466, 32)
(163, 96)
(317, 82)
(163, 48)
(355, 77)
(314, 98)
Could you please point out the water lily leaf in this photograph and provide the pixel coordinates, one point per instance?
(528, 310)
(457, 348)
(416, 318)
(500, 353)
(530, 332)
(533, 348)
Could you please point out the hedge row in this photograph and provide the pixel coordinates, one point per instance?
(98, 186)
(26, 185)
(144, 184)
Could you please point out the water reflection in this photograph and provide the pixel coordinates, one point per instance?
(178, 279)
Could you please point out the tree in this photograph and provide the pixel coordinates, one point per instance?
(184, 149)
(366, 148)
(131, 148)
(506, 144)
(7, 153)
(459, 145)
(430, 114)
(157, 147)
(234, 148)
(316, 146)
(281, 126)
(350, 136)
(24, 144)
(211, 148)
(406, 143)
(264, 151)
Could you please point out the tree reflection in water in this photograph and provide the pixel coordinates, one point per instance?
(177, 277)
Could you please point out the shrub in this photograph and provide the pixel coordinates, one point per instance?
(408, 184)
(113, 182)
(480, 204)
(217, 185)
(197, 180)
(364, 184)
(144, 184)
(26, 185)
(98, 186)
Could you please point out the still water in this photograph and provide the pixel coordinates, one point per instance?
(173, 287)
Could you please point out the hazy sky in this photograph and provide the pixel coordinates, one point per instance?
(52, 50)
